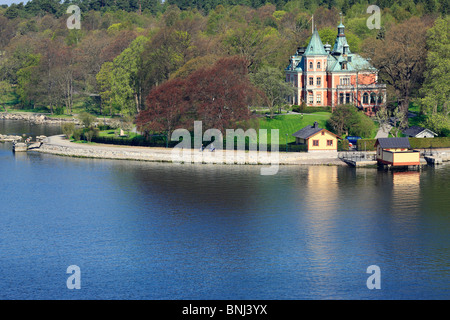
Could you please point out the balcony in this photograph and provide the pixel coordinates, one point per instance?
(373, 86)
(345, 87)
(361, 87)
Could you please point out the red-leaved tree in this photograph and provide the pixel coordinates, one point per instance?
(221, 94)
(166, 109)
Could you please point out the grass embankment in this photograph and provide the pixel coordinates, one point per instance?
(288, 124)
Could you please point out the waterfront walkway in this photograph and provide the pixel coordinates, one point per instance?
(59, 145)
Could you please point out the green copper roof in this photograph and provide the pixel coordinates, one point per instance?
(341, 41)
(315, 46)
(354, 63)
(339, 44)
(336, 60)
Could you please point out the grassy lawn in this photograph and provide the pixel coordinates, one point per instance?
(288, 124)
(115, 134)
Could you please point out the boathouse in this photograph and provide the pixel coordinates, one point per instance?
(316, 138)
(396, 152)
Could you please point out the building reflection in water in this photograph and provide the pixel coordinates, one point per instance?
(319, 190)
(405, 203)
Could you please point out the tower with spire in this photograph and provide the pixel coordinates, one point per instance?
(325, 76)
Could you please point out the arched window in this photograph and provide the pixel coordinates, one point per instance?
(311, 65)
(373, 98)
(380, 99)
(365, 98)
(318, 65)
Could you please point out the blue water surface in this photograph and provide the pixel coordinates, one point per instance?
(140, 230)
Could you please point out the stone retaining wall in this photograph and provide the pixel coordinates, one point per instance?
(59, 146)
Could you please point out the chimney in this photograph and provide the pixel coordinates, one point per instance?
(316, 125)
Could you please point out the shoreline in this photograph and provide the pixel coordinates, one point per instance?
(41, 118)
(59, 145)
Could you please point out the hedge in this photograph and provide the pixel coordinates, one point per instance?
(343, 145)
(311, 109)
(425, 143)
(161, 142)
(416, 143)
(136, 141)
(366, 144)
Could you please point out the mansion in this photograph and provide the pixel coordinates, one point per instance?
(332, 77)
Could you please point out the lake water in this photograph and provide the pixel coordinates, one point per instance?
(142, 230)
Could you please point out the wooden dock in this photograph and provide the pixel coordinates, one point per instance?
(360, 163)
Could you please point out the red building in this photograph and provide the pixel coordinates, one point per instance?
(333, 77)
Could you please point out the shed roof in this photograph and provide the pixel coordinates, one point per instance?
(415, 130)
(388, 143)
(307, 131)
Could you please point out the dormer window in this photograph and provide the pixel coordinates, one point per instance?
(344, 65)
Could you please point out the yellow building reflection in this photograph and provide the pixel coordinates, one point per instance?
(321, 190)
(405, 192)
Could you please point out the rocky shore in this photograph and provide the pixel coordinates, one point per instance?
(39, 118)
(35, 118)
(9, 138)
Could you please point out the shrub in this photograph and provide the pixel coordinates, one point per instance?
(103, 127)
(90, 133)
(362, 125)
(343, 145)
(59, 111)
(87, 119)
(77, 134)
(68, 129)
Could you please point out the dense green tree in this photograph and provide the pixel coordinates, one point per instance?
(348, 120)
(400, 57)
(104, 80)
(168, 50)
(438, 123)
(275, 89)
(126, 80)
(436, 87)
